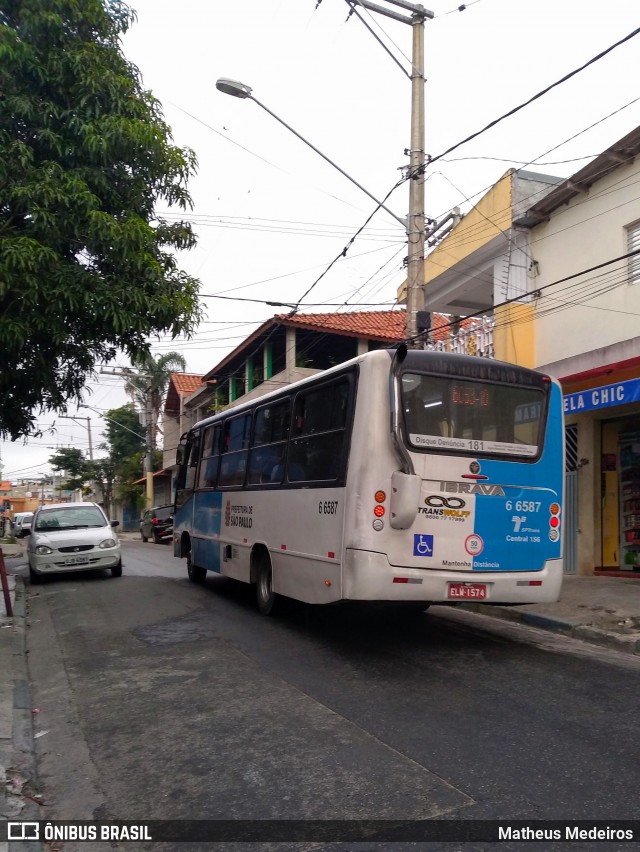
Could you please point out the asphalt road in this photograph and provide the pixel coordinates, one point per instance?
(161, 699)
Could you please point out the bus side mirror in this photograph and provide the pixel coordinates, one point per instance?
(180, 456)
(405, 494)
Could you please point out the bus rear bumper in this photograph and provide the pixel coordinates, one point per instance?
(368, 575)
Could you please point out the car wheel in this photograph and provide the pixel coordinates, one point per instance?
(269, 603)
(157, 539)
(143, 536)
(116, 571)
(34, 578)
(196, 574)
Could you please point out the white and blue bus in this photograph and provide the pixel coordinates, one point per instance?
(401, 475)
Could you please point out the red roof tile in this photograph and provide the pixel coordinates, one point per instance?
(186, 382)
(377, 325)
(385, 326)
(180, 384)
(380, 325)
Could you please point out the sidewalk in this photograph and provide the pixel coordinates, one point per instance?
(18, 786)
(600, 610)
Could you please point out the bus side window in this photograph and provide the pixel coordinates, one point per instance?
(320, 422)
(271, 430)
(236, 449)
(210, 457)
(194, 457)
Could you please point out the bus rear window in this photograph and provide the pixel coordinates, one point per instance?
(459, 415)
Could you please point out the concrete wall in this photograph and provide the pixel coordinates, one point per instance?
(588, 231)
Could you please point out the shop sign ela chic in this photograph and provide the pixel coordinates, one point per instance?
(620, 393)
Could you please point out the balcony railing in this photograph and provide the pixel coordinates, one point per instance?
(475, 339)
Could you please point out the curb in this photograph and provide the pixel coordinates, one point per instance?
(585, 632)
(20, 783)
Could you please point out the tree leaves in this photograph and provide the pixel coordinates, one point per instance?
(86, 269)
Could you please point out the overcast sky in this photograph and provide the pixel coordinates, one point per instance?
(271, 214)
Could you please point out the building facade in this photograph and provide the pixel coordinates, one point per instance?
(553, 268)
(585, 243)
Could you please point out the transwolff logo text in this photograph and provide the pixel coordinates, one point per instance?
(472, 488)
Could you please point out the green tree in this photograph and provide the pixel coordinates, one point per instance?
(72, 463)
(148, 382)
(87, 266)
(124, 444)
(124, 434)
(104, 473)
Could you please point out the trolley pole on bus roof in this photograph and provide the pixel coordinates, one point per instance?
(417, 320)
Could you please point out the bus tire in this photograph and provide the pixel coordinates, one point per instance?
(269, 603)
(196, 574)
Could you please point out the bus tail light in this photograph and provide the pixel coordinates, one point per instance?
(380, 496)
(379, 511)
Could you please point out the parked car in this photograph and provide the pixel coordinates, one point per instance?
(22, 524)
(157, 523)
(72, 537)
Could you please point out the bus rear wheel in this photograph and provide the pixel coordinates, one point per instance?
(196, 574)
(269, 603)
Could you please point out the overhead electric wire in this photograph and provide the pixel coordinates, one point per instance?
(352, 4)
(535, 97)
(539, 290)
(344, 251)
(287, 274)
(461, 8)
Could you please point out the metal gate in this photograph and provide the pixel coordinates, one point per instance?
(570, 554)
(130, 518)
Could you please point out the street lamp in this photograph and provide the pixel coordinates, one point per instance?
(417, 319)
(241, 90)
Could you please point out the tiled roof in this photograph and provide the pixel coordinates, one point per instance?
(375, 325)
(186, 382)
(384, 326)
(180, 384)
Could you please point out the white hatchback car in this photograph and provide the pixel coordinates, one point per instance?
(22, 524)
(72, 537)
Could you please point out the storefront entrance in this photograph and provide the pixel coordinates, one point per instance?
(620, 494)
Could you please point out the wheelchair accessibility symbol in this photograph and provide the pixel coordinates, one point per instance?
(423, 545)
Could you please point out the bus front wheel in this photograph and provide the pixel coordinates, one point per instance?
(196, 574)
(269, 603)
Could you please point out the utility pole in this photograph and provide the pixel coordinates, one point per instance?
(149, 456)
(88, 419)
(417, 320)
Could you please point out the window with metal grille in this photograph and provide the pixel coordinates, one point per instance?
(633, 244)
(571, 448)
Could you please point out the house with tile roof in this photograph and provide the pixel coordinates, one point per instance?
(290, 347)
(181, 387)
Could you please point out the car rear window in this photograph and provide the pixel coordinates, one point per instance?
(163, 513)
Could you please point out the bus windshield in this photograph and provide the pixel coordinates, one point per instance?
(460, 415)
